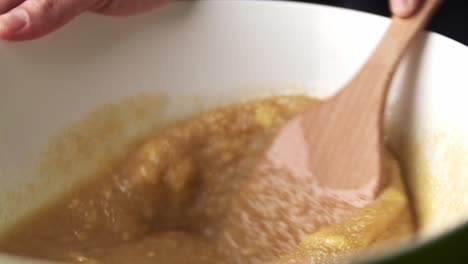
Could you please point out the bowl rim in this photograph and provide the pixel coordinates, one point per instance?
(448, 243)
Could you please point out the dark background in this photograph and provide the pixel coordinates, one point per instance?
(451, 20)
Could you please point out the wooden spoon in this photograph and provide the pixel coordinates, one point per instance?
(339, 142)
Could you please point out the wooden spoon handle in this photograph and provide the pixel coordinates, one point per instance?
(381, 66)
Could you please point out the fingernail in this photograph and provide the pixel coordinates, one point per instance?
(402, 7)
(13, 21)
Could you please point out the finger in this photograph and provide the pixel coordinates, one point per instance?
(35, 18)
(126, 7)
(7, 5)
(404, 8)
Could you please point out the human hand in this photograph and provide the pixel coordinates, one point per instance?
(404, 8)
(30, 19)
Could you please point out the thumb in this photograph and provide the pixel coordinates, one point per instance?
(404, 8)
(35, 18)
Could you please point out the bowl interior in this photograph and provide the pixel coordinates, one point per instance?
(194, 55)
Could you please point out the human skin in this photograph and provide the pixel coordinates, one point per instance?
(31, 19)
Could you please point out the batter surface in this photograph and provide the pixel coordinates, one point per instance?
(188, 196)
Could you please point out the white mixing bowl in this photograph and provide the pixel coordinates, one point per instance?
(205, 53)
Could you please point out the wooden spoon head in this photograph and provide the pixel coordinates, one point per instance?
(339, 150)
